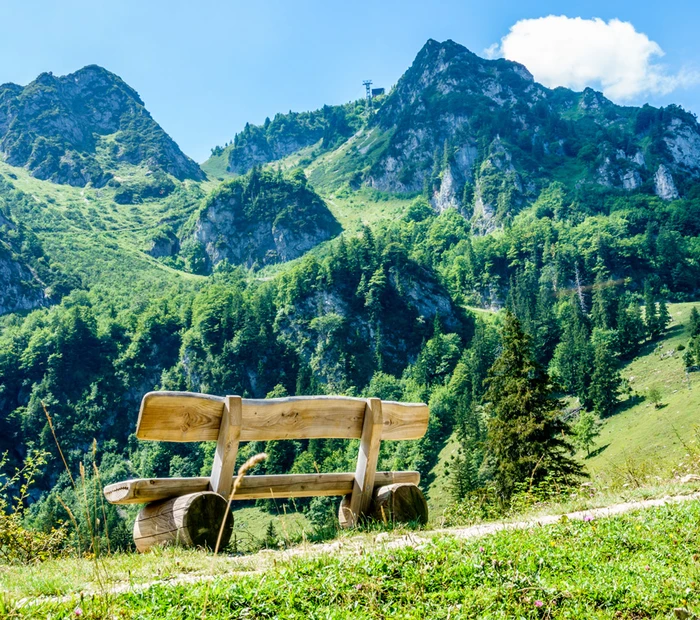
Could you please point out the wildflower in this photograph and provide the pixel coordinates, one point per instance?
(588, 518)
(481, 549)
(78, 611)
(539, 603)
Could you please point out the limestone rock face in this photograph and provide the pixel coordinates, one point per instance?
(76, 128)
(262, 219)
(20, 289)
(664, 185)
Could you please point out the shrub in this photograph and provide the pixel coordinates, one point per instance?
(19, 544)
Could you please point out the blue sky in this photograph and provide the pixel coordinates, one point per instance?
(205, 68)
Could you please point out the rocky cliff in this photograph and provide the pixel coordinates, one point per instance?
(77, 129)
(260, 219)
(20, 288)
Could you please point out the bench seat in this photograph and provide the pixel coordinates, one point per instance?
(145, 490)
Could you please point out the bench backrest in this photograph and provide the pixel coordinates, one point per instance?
(185, 416)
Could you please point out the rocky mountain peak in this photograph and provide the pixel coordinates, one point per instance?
(78, 128)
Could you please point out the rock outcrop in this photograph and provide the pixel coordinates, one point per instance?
(20, 288)
(261, 219)
(664, 185)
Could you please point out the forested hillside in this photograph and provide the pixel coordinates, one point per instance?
(356, 250)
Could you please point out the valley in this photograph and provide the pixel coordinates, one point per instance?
(400, 249)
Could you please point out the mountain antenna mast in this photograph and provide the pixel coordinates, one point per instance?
(368, 89)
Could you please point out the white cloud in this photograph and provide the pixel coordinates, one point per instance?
(576, 52)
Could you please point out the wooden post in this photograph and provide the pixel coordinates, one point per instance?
(221, 480)
(370, 441)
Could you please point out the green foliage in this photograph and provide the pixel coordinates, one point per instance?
(526, 437)
(654, 396)
(585, 431)
(20, 544)
(640, 561)
(605, 380)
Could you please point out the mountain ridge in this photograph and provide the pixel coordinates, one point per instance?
(474, 133)
(80, 128)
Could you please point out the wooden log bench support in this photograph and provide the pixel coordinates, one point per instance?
(189, 511)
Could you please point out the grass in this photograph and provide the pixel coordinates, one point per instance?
(640, 434)
(642, 564)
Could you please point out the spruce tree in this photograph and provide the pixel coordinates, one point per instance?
(573, 356)
(651, 318)
(694, 322)
(605, 381)
(663, 317)
(631, 330)
(603, 310)
(526, 440)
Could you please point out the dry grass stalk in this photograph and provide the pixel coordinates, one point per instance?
(58, 445)
(244, 469)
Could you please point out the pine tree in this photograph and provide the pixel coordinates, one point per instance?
(694, 322)
(651, 318)
(603, 309)
(526, 439)
(663, 317)
(605, 381)
(573, 356)
(546, 327)
(270, 540)
(631, 330)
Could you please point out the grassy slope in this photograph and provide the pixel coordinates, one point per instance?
(89, 234)
(639, 441)
(638, 565)
(643, 439)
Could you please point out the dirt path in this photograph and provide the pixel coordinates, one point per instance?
(263, 560)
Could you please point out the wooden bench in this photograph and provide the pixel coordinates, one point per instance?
(190, 510)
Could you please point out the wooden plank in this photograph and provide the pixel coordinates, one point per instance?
(311, 485)
(145, 490)
(226, 447)
(366, 460)
(181, 416)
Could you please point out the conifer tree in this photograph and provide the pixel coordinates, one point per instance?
(603, 309)
(651, 317)
(663, 317)
(694, 322)
(526, 436)
(605, 381)
(573, 356)
(631, 330)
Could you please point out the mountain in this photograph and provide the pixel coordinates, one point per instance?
(259, 219)
(288, 133)
(483, 137)
(28, 280)
(466, 189)
(81, 128)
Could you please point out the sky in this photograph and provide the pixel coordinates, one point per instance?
(206, 68)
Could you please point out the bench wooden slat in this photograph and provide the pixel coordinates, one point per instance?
(145, 490)
(184, 416)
